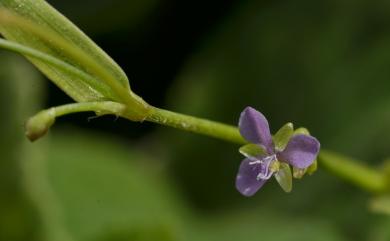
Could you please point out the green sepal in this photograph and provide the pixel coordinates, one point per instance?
(284, 177)
(302, 130)
(298, 173)
(252, 150)
(313, 167)
(283, 135)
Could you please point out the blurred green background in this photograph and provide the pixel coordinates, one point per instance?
(323, 65)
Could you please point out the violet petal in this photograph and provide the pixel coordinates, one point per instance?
(255, 129)
(300, 151)
(246, 180)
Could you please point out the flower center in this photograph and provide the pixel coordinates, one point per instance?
(265, 167)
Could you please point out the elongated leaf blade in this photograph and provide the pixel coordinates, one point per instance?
(41, 14)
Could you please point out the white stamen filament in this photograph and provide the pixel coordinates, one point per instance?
(256, 162)
(267, 161)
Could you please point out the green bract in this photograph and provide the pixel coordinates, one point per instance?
(284, 177)
(252, 150)
(283, 135)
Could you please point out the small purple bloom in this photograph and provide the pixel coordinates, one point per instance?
(255, 170)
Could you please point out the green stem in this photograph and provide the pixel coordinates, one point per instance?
(38, 125)
(100, 108)
(354, 172)
(196, 125)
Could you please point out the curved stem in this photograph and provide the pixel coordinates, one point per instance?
(38, 125)
(100, 108)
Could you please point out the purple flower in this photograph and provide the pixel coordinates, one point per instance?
(266, 156)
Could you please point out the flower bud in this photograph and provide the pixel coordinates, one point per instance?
(38, 125)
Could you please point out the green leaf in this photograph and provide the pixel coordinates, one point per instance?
(300, 172)
(313, 167)
(283, 135)
(53, 62)
(252, 150)
(284, 177)
(35, 24)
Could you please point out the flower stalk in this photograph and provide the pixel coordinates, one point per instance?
(38, 125)
(351, 171)
(193, 124)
